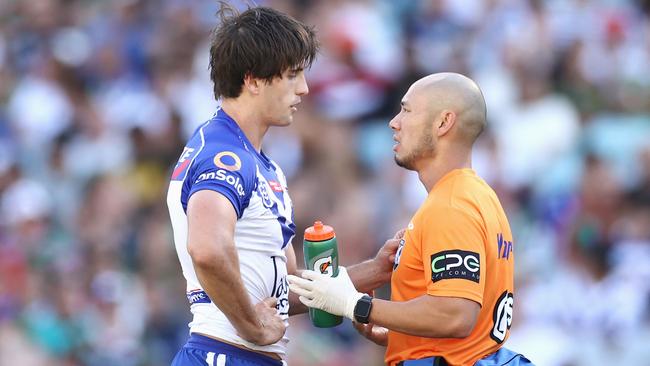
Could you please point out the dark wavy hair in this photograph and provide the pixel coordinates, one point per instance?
(260, 42)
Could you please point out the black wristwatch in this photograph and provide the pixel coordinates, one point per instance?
(362, 309)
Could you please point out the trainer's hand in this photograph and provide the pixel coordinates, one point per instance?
(375, 333)
(335, 295)
(271, 326)
(385, 258)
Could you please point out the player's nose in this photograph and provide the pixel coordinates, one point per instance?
(302, 88)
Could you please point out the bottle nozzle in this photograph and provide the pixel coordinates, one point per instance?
(319, 232)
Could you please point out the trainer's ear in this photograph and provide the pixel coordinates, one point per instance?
(252, 84)
(446, 120)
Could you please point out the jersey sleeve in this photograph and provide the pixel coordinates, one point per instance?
(453, 252)
(230, 172)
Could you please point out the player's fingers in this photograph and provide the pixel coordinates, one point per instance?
(270, 302)
(301, 282)
(400, 234)
(299, 290)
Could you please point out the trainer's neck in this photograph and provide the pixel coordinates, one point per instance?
(432, 170)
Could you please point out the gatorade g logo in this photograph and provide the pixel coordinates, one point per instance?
(324, 266)
(455, 264)
(227, 160)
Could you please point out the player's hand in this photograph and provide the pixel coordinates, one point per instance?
(385, 257)
(335, 295)
(272, 327)
(375, 333)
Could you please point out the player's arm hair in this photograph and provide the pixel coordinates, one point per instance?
(427, 316)
(210, 243)
(295, 306)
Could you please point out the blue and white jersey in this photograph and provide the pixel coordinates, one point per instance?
(219, 157)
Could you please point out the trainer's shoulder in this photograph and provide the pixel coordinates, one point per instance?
(464, 191)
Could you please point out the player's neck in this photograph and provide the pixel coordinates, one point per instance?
(248, 120)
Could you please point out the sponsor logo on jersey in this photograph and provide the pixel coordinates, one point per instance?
(275, 186)
(324, 266)
(502, 316)
(198, 297)
(264, 193)
(224, 176)
(505, 247)
(455, 264)
(227, 160)
(280, 289)
(183, 162)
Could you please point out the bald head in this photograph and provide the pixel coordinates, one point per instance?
(459, 94)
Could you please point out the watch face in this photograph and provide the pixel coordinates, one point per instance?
(362, 309)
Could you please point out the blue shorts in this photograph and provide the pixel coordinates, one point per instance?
(203, 351)
(502, 357)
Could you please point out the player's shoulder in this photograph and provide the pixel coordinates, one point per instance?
(224, 146)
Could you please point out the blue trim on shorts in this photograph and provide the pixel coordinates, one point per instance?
(207, 344)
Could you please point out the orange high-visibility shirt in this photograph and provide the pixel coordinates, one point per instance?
(458, 244)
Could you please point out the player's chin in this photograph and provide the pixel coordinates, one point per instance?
(286, 121)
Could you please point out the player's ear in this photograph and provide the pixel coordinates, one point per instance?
(252, 84)
(444, 123)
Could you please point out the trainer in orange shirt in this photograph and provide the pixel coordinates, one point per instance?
(452, 284)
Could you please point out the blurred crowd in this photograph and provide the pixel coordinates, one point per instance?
(98, 97)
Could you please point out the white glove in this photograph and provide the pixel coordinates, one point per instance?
(335, 295)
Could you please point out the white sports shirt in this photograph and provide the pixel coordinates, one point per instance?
(219, 157)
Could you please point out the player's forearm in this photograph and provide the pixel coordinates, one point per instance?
(368, 275)
(219, 275)
(427, 316)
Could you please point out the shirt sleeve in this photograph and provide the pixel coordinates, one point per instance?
(229, 172)
(453, 252)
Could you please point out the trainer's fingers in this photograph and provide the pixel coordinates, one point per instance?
(360, 327)
(310, 275)
(343, 271)
(363, 329)
(299, 290)
(295, 280)
(305, 301)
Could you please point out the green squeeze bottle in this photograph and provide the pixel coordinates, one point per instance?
(321, 255)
